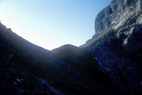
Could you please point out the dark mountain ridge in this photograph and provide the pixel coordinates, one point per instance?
(107, 64)
(65, 70)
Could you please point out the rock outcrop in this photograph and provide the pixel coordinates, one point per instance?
(119, 14)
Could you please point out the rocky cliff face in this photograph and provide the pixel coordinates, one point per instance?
(117, 44)
(119, 14)
(107, 64)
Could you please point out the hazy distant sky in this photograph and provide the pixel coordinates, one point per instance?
(52, 23)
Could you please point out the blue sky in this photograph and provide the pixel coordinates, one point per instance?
(52, 23)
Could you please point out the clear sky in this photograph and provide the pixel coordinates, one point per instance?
(52, 23)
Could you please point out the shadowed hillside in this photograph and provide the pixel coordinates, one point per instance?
(68, 69)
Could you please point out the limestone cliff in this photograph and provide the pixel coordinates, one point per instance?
(119, 14)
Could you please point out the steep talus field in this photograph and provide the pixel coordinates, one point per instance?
(107, 64)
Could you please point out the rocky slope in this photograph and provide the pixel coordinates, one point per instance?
(117, 44)
(107, 64)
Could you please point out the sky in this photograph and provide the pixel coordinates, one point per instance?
(52, 23)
